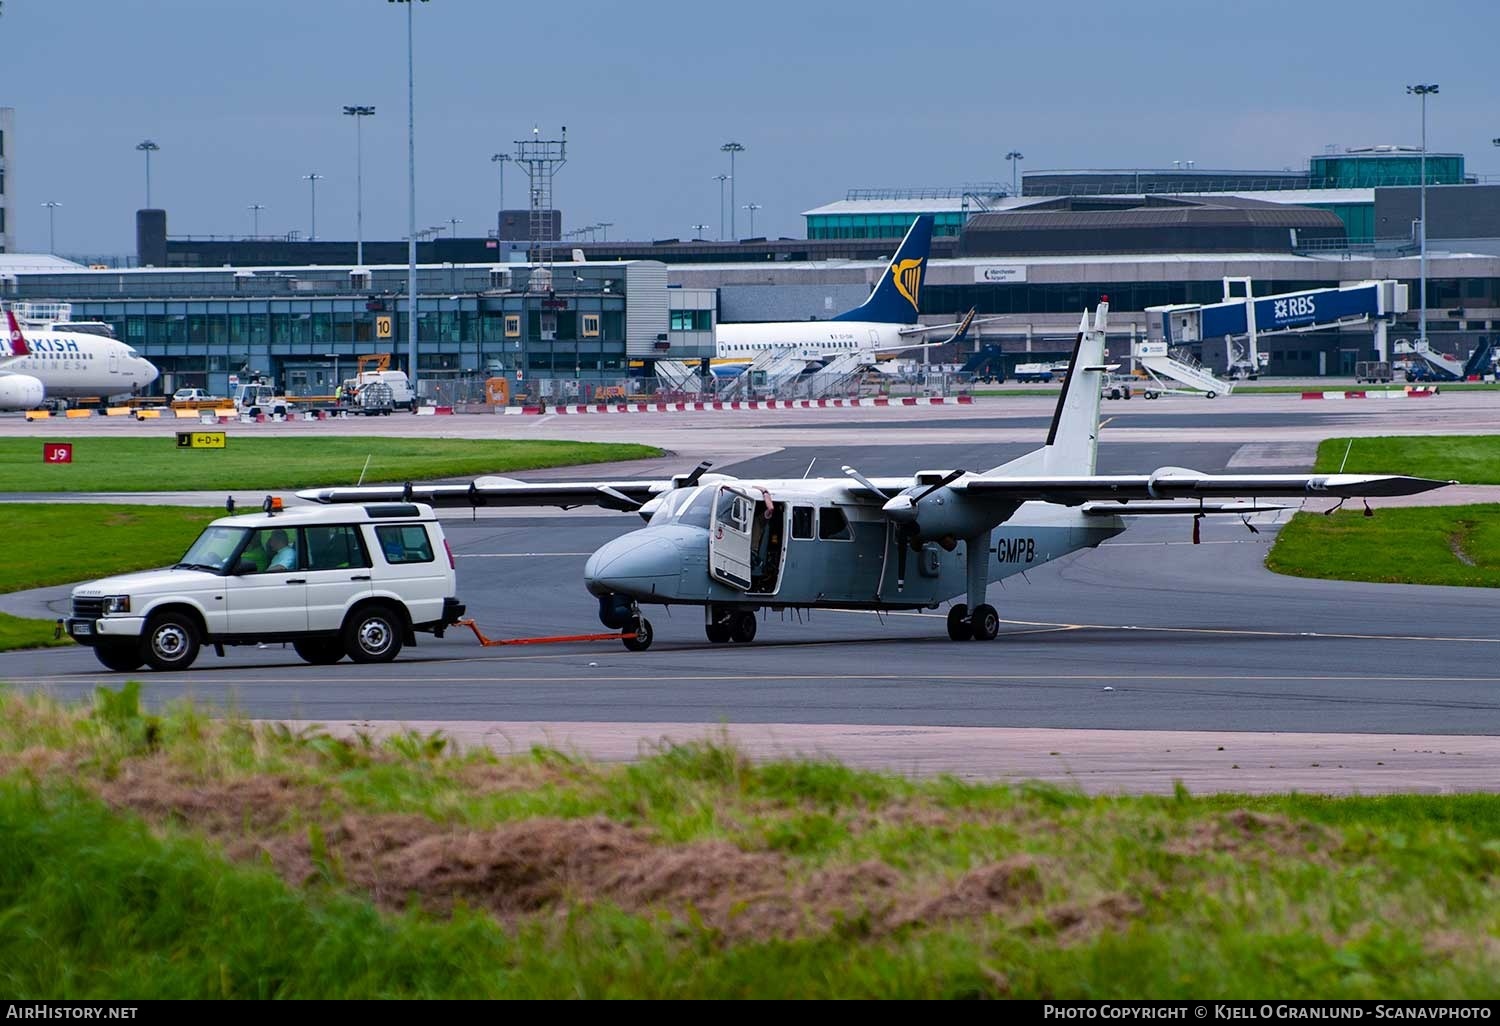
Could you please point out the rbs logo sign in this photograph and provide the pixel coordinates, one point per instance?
(1294, 308)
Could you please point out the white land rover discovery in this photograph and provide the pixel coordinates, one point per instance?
(333, 580)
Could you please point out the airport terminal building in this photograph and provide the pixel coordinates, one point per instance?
(1032, 262)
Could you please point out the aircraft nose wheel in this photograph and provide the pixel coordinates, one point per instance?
(958, 623)
(643, 635)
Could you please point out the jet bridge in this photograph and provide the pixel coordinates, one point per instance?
(1248, 317)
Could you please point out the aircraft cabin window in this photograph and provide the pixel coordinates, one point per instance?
(833, 525)
(802, 523)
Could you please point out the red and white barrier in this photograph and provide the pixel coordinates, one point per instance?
(740, 404)
(1384, 393)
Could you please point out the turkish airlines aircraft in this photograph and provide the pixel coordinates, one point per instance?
(60, 365)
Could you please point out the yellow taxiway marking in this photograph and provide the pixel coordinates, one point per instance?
(1237, 631)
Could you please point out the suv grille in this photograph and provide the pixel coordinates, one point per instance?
(88, 608)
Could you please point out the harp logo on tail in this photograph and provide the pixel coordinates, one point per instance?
(906, 275)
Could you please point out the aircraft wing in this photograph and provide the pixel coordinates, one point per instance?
(626, 496)
(1177, 483)
(926, 329)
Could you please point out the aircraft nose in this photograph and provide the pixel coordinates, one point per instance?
(150, 373)
(633, 565)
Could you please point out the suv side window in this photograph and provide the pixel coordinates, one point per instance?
(404, 543)
(335, 548)
(273, 550)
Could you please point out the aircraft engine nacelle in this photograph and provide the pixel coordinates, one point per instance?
(21, 392)
(943, 516)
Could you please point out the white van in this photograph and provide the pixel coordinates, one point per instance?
(402, 395)
(333, 580)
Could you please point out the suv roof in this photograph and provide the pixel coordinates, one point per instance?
(298, 516)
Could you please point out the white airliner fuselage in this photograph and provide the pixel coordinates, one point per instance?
(52, 364)
(737, 344)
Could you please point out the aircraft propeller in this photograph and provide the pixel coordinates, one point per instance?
(692, 477)
(902, 511)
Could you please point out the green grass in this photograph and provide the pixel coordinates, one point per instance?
(1402, 546)
(69, 542)
(151, 464)
(1468, 459)
(82, 541)
(1111, 897)
(20, 632)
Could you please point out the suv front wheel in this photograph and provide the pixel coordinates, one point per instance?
(171, 642)
(373, 634)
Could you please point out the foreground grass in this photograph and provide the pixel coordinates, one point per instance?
(1469, 459)
(1418, 545)
(115, 825)
(150, 464)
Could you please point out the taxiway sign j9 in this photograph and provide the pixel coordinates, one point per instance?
(738, 546)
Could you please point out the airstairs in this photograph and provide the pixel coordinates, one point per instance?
(838, 378)
(677, 376)
(1167, 368)
(769, 374)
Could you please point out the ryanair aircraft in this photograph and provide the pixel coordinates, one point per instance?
(884, 323)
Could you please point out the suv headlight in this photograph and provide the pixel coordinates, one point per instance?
(116, 604)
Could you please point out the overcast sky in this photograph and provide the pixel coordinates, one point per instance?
(244, 99)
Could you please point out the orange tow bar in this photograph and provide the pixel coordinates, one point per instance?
(493, 642)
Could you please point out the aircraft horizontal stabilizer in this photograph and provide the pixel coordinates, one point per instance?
(1175, 483)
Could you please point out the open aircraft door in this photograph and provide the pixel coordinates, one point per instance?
(729, 538)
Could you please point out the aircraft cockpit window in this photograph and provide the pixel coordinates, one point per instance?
(670, 504)
(802, 523)
(833, 525)
(698, 512)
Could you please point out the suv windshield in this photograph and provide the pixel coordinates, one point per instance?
(213, 549)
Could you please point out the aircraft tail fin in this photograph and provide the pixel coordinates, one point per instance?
(18, 346)
(897, 297)
(1072, 446)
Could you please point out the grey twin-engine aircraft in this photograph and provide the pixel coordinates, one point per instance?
(736, 546)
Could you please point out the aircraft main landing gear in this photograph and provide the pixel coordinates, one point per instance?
(984, 625)
(734, 625)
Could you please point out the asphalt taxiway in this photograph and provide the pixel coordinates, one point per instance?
(1147, 634)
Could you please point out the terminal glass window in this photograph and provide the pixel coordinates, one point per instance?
(590, 325)
(512, 325)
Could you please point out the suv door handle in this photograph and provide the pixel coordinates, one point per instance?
(360, 577)
(296, 580)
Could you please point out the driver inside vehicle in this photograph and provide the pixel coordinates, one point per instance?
(283, 555)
